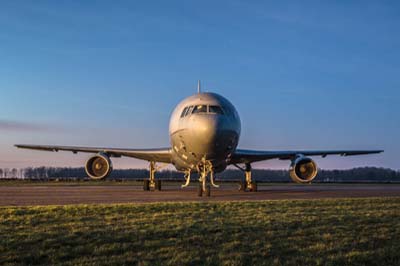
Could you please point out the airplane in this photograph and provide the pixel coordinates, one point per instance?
(204, 132)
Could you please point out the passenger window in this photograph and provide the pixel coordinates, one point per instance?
(200, 109)
(215, 109)
(184, 112)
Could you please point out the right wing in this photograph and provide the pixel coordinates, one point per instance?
(249, 156)
(157, 155)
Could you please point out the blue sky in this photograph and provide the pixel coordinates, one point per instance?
(309, 75)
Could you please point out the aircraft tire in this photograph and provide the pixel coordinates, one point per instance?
(146, 185)
(242, 186)
(200, 191)
(158, 185)
(208, 191)
(254, 186)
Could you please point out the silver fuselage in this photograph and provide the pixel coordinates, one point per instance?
(203, 136)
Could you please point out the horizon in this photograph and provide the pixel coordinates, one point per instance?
(228, 168)
(360, 174)
(302, 76)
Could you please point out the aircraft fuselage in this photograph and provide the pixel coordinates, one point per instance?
(203, 127)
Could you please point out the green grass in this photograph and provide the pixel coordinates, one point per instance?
(296, 232)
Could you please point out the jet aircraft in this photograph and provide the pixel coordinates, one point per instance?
(204, 132)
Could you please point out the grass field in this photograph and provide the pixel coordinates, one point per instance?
(297, 232)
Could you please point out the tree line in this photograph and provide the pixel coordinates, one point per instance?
(362, 174)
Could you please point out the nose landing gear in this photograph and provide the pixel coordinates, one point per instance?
(206, 178)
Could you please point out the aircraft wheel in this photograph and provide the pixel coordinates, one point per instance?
(242, 186)
(200, 191)
(146, 185)
(158, 185)
(208, 191)
(254, 187)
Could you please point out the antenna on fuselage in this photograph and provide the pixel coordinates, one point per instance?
(198, 87)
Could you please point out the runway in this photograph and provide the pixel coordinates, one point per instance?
(29, 195)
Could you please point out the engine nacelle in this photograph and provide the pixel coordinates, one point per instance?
(303, 170)
(98, 166)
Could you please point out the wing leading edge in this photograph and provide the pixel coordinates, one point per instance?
(249, 156)
(164, 154)
(157, 155)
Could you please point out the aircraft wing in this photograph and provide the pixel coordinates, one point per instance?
(249, 156)
(157, 155)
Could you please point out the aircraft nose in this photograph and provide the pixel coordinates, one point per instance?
(206, 127)
(207, 135)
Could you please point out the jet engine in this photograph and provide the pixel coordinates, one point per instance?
(303, 170)
(98, 166)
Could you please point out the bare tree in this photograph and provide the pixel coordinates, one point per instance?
(14, 173)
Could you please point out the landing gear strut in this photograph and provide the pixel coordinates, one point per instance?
(247, 184)
(152, 183)
(207, 192)
(187, 178)
(206, 178)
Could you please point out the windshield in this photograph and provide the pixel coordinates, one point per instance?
(215, 109)
(184, 112)
(196, 109)
(200, 109)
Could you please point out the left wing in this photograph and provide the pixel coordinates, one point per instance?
(158, 155)
(249, 156)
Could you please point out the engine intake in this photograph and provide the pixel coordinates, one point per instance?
(303, 170)
(98, 166)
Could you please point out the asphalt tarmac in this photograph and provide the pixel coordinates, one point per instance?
(29, 195)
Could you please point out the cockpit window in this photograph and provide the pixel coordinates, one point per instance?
(215, 109)
(200, 109)
(189, 110)
(196, 109)
(184, 111)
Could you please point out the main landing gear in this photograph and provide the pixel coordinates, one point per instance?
(247, 184)
(152, 183)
